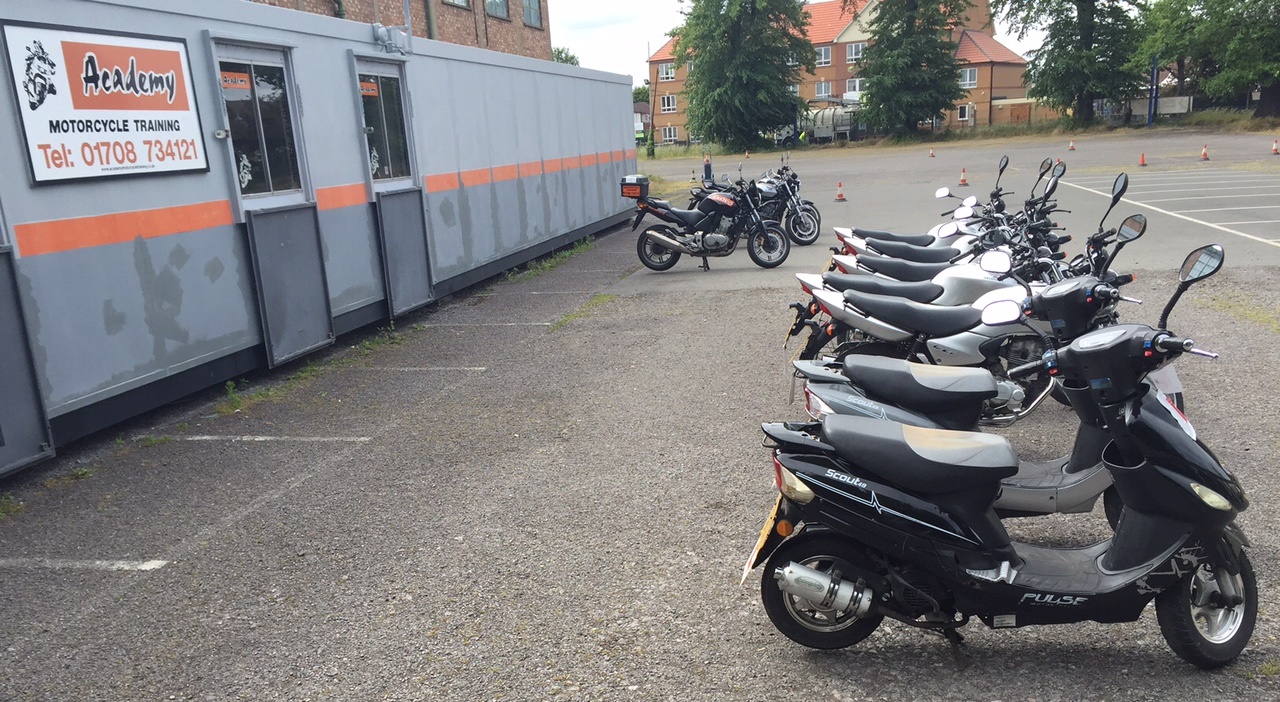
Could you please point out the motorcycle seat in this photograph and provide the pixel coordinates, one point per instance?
(689, 218)
(916, 239)
(911, 252)
(926, 461)
(899, 269)
(930, 320)
(951, 396)
(919, 292)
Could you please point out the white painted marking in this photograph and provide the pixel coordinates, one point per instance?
(301, 439)
(423, 369)
(1203, 190)
(1227, 209)
(490, 324)
(1209, 197)
(64, 564)
(557, 292)
(1219, 227)
(1256, 221)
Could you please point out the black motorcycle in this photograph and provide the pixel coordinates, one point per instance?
(877, 519)
(713, 228)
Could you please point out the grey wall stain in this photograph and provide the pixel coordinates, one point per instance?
(214, 269)
(466, 230)
(113, 320)
(448, 213)
(161, 301)
(527, 229)
(178, 257)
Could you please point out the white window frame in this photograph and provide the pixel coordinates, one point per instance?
(793, 89)
(854, 51)
(965, 80)
(666, 71)
(817, 89)
(668, 103)
(824, 56)
(964, 113)
(853, 85)
(670, 135)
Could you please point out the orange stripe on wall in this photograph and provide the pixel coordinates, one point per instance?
(60, 235)
(619, 155)
(588, 160)
(480, 176)
(631, 153)
(504, 173)
(531, 168)
(340, 196)
(604, 157)
(552, 165)
(571, 162)
(441, 182)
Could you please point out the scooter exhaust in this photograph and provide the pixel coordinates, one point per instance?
(669, 243)
(823, 590)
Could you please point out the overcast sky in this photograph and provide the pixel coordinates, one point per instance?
(619, 37)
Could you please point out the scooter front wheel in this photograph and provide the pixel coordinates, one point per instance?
(803, 621)
(1197, 620)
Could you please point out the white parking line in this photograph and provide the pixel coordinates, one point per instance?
(63, 564)
(1219, 227)
(424, 369)
(1209, 197)
(490, 324)
(1225, 209)
(1256, 221)
(301, 439)
(1204, 190)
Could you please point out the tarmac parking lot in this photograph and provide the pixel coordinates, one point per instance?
(545, 487)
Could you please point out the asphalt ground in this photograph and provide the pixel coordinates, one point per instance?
(545, 488)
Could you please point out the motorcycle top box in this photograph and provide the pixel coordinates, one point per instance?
(635, 186)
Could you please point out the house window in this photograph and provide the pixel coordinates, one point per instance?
(854, 51)
(823, 89)
(261, 122)
(459, 3)
(853, 85)
(533, 13)
(793, 89)
(824, 56)
(497, 8)
(670, 135)
(668, 103)
(968, 77)
(963, 113)
(666, 71)
(386, 136)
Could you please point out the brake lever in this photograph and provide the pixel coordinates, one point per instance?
(1201, 352)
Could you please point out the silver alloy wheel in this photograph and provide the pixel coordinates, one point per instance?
(1216, 623)
(810, 615)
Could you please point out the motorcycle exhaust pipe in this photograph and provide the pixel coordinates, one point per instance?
(669, 243)
(823, 590)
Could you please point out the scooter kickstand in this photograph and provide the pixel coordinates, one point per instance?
(960, 655)
(705, 266)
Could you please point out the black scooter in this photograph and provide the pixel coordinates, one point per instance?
(877, 519)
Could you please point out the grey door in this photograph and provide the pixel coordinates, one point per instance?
(402, 227)
(24, 430)
(293, 295)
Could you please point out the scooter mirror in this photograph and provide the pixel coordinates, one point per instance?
(970, 201)
(1059, 170)
(948, 229)
(963, 212)
(941, 193)
(1117, 191)
(1004, 163)
(998, 262)
(1202, 263)
(725, 177)
(1132, 227)
(1045, 165)
(1001, 312)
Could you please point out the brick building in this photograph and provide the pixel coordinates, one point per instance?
(989, 70)
(510, 26)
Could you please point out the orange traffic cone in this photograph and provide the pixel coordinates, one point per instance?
(1072, 147)
(1275, 148)
(1142, 160)
(931, 153)
(748, 153)
(964, 181)
(840, 193)
(1204, 153)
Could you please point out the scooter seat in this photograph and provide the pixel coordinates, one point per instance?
(930, 320)
(951, 396)
(926, 461)
(916, 239)
(899, 269)
(911, 252)
(919, 292)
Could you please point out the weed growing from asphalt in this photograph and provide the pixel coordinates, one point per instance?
(150, 441)
(596, 301)
(537, 267)
(9, 505)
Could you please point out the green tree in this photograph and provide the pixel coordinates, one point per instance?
(1245, 36)
(560, 54)
(640, 94)
(1168, 31)
(910, 64)
(1086, 51)
(746, 54)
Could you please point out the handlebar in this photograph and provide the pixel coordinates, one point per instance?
(1174, 343)
(1026, 369)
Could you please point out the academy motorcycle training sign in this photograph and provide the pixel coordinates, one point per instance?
(103, 105)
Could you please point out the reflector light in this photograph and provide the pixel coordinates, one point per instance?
(785, 528)
(813, 308)
(831, 330)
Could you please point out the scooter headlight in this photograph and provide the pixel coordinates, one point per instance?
(1211, 498)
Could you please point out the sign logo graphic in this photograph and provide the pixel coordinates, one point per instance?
(41, 70)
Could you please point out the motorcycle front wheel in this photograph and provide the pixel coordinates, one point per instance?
(803, 621)
(768, 245)
(653, 255)
(1198, 625)
(803, 227)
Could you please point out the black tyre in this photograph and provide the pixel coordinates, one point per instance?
(1209, 634)
(803, 621)
(1112, 506)
(653, 255)
(803, 227)
(768, 246)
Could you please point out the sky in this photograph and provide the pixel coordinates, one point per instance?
(618, 36)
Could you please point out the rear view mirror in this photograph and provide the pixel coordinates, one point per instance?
(1052, 187)
(963, 212)
(970, 201)
(1202, 263)
(1059, 170)
(1001, 312)
(998, 262)
(1118, 189)
(1004, 163)
(942, 193)
(1045, 165)
(1132, 227)
(948, 229)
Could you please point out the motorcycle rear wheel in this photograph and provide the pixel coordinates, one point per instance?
(803, 621)
(1208, 635)
(768, 246)
(653, 255)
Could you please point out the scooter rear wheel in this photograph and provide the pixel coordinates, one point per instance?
(1198, 626)
(803, 621)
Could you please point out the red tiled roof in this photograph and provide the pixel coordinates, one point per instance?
(976, 47)
(826, 22)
